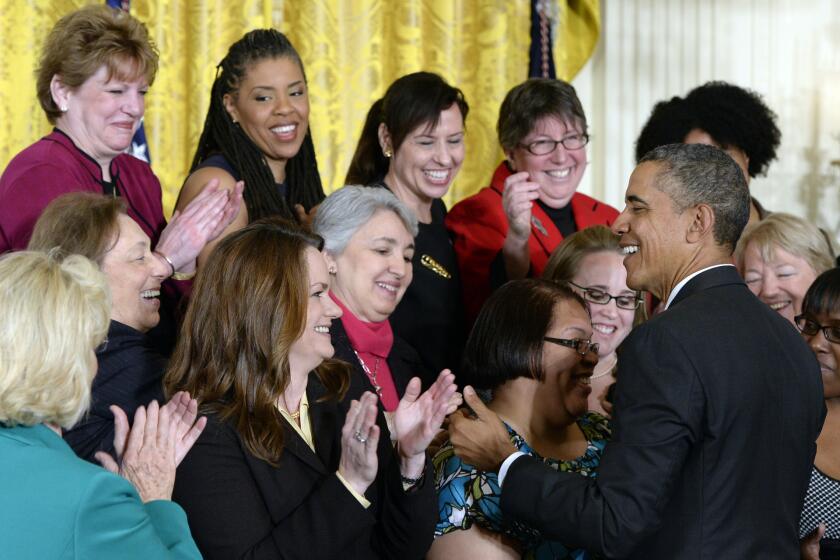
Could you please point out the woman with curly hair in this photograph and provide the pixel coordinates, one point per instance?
(722, 115)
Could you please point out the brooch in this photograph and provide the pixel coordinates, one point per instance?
(434, 266)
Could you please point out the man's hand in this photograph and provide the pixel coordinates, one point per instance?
(482, 441)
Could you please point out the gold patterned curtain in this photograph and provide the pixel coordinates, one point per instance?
(352, 50)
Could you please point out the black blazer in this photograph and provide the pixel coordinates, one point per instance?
(239, 506)
(718, 407)
(130, 375)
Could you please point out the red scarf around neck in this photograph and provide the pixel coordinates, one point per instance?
(372, 342)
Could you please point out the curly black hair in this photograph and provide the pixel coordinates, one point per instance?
(731, 115)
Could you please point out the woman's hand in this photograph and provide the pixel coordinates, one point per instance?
(148, 452)
(147, 459)
(359, 438)
(419, 417)
(202, 220)
(184, 411)
(517, 200)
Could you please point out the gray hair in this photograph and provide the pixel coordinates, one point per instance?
(346, 210)
(695, 174)
(793, 234)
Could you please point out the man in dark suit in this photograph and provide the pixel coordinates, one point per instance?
(718, 403)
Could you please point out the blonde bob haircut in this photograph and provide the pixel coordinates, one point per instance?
(87, 39)
(789, 233)
(566, 259)
(55, 312)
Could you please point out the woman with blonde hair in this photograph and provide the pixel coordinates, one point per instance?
(56, 505)
(780, 257)
(590, 262)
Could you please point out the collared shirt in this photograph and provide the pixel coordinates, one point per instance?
(687, 279)
(304, 430)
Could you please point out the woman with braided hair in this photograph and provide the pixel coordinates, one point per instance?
(257, 131)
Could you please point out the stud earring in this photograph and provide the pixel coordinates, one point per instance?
(332, 271)
(63, 108)
(387, 152)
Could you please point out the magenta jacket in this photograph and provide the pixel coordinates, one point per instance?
(53, 166)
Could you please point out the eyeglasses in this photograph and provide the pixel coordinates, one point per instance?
(545, 147)
(601, 297)
(809, 327)
(582, 347)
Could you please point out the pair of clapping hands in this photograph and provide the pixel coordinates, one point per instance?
(415, 423)
(149, 451)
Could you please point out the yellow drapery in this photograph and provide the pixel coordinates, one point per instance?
(351, 49)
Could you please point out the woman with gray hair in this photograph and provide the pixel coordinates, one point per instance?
(56, 505)
(369, 243)
(780, 257)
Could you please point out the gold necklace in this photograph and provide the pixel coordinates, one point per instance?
(608, 371)
(371, 376)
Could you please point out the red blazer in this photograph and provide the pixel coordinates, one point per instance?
(478, 225)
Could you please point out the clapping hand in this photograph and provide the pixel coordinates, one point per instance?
(204, 219)
(148, 452)
(359, 440)
(418, 417)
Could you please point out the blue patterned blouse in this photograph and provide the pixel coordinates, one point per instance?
(467, 496)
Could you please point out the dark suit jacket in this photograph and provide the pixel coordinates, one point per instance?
(719, 404)
(239, 506)
(130, 374)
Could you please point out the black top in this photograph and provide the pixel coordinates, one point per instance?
(220, 161)
(130, 375)
(562, 218)
(430, 316)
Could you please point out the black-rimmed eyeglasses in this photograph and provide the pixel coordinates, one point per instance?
(809, 327)
(545, 147)
(580, 346)
(594, 295)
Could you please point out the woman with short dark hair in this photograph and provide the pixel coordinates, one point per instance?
(819, 323)
(509, 229)
(536, 371)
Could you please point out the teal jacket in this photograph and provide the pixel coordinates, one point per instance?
(55, 505)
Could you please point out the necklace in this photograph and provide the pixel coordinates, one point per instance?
(371, 376)
(608, 371)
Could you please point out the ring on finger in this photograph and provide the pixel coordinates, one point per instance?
(358, 437)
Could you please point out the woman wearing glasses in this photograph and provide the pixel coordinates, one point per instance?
(509, 229)
(537, 373)
(820, 325)
(591, 263)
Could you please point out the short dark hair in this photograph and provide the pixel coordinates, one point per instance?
(693, 174)
(506, 341)
(532, 100)
(731, 115)
(824, 294)
(411, 101)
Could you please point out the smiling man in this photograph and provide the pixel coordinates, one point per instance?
(718, 403)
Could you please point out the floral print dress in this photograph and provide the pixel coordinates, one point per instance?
(467, 495)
